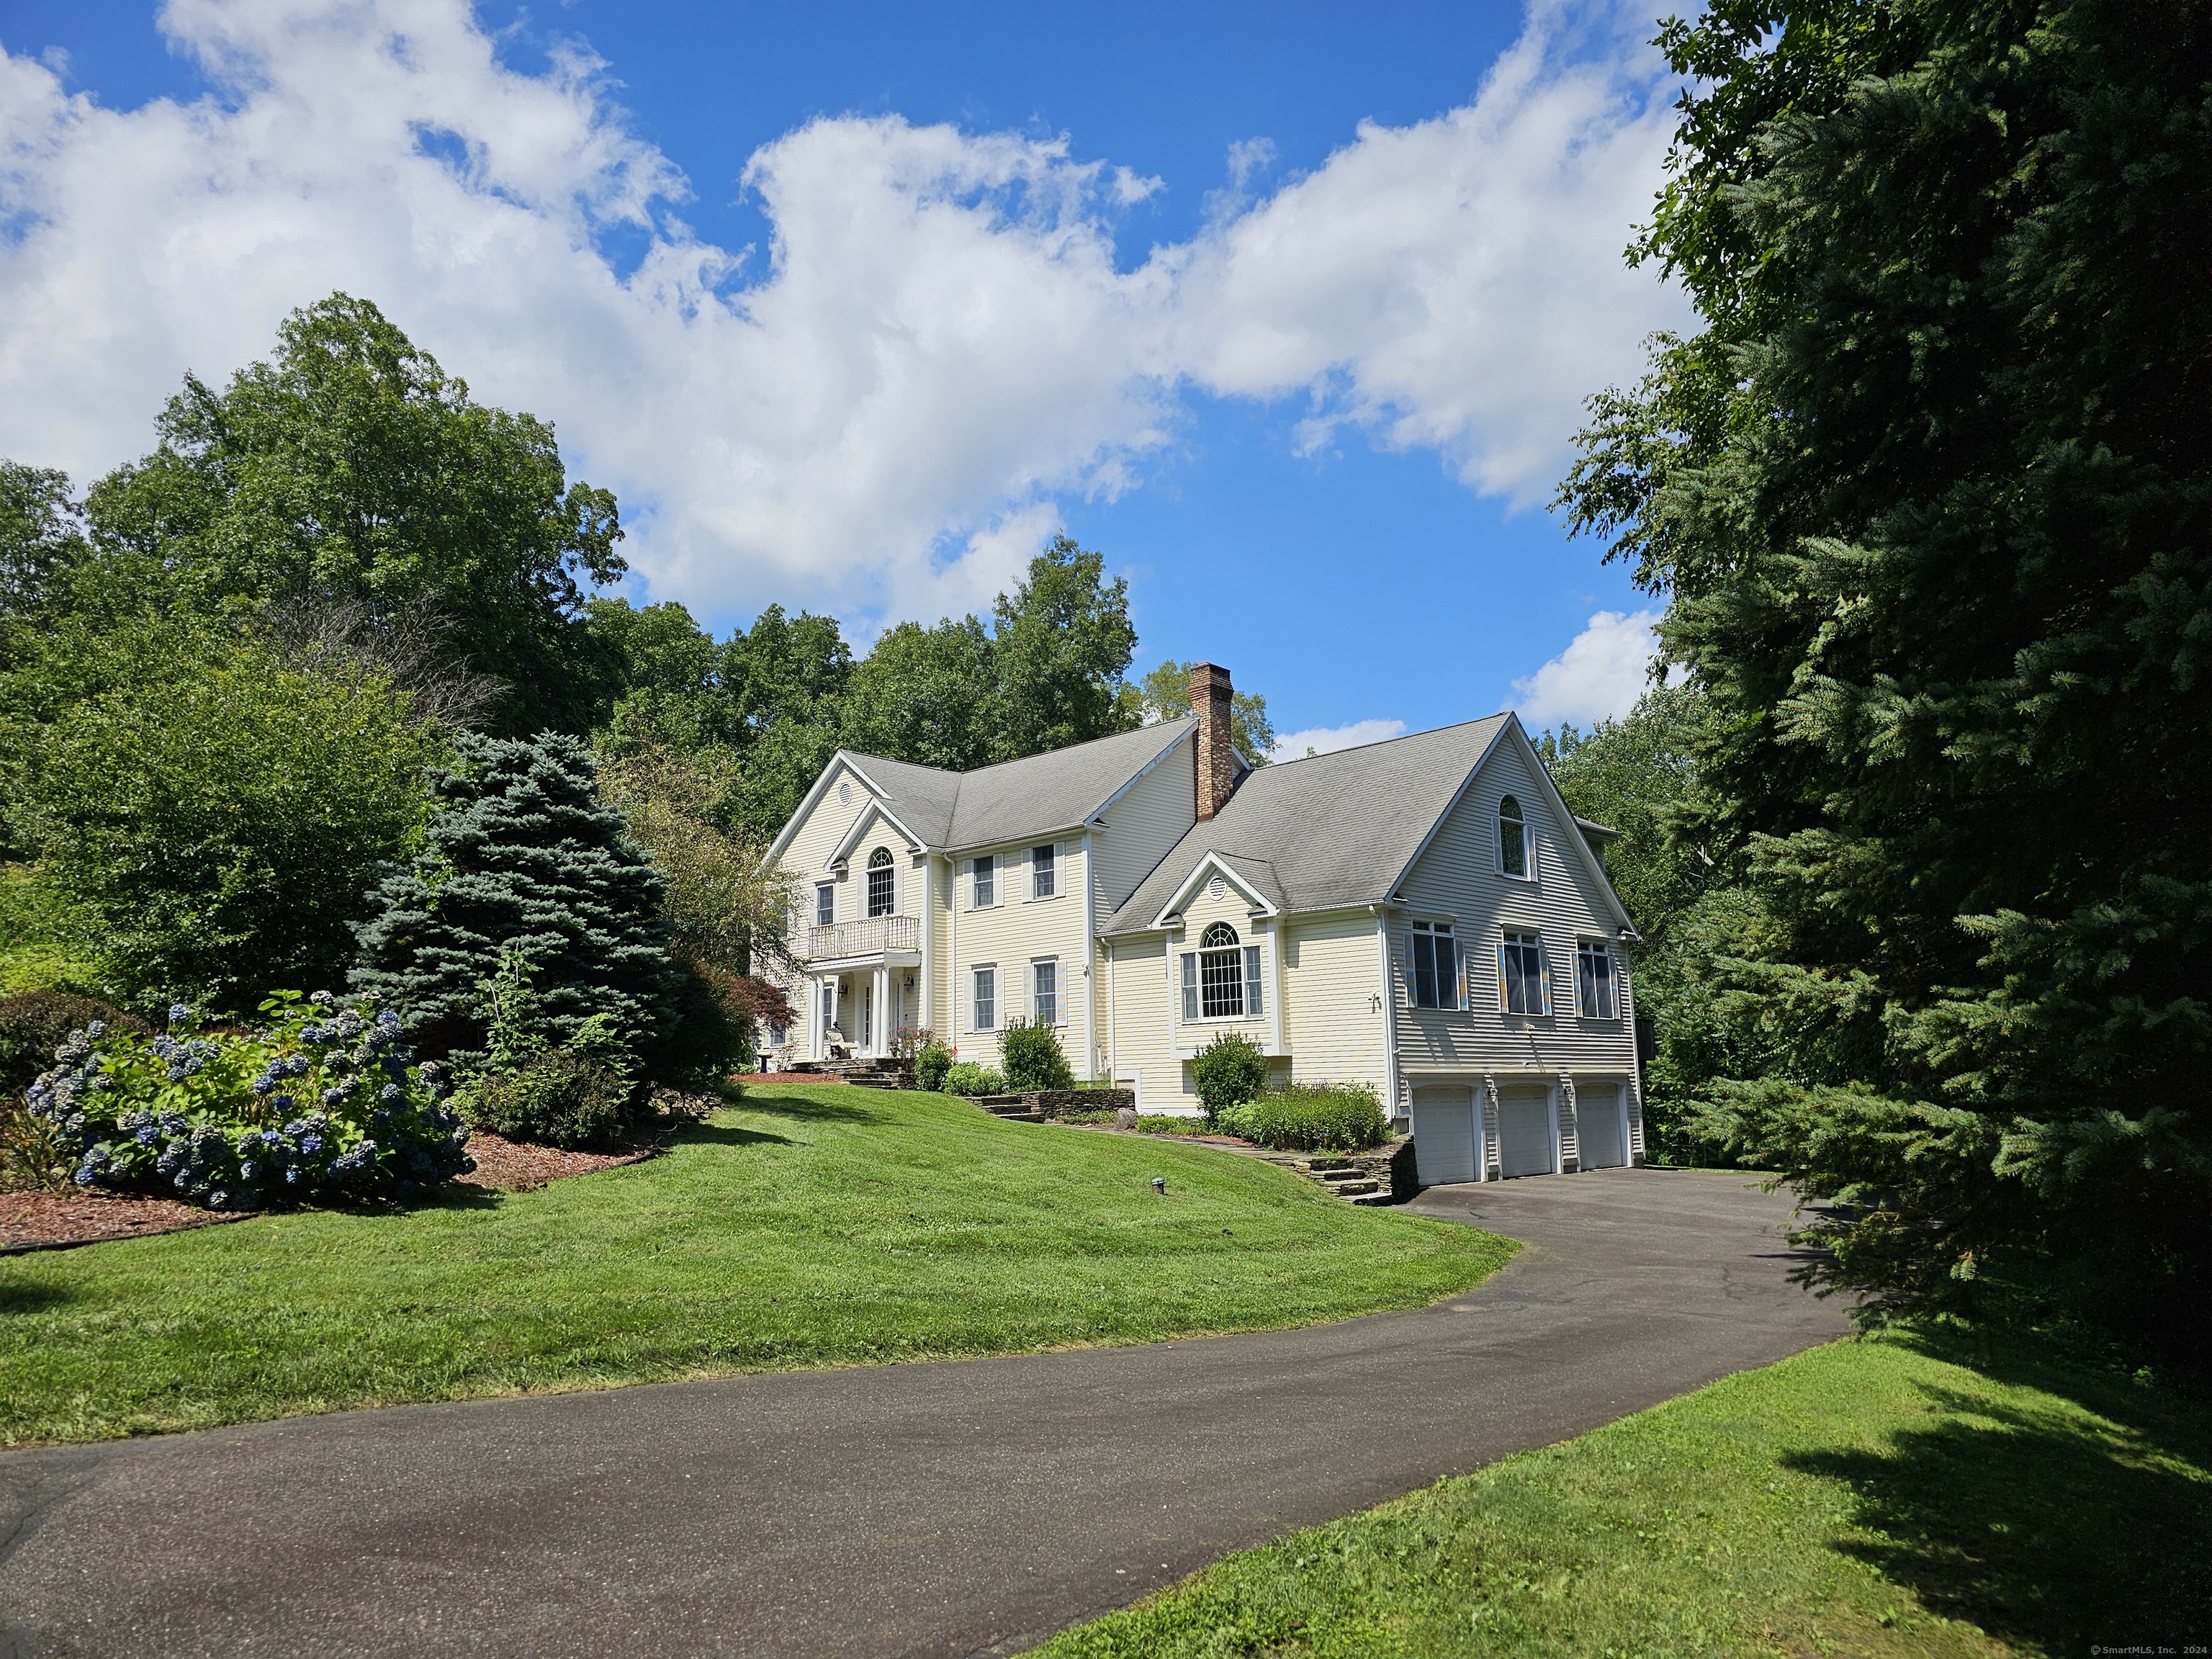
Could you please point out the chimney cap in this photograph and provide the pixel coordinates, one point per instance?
(1212, 673)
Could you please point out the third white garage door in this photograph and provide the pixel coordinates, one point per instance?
(1597, 1115)
(1524, 1132)
(1443, 1134)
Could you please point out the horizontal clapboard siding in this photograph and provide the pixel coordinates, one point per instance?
(1456, 879)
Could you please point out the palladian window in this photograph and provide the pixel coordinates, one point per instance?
(1221, 978)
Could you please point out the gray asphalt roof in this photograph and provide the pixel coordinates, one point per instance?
(1003, 803)
(1331, 829)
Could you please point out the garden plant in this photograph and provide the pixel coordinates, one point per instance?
(321, 1102)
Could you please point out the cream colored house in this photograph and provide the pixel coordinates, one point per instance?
(1423, 916)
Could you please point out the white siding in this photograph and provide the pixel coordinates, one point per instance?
(1331, 981)
(1143, 827)
(1010, 935)
(1456, 879)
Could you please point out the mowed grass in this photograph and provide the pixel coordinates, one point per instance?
(813, 1226)
(1873, 1498)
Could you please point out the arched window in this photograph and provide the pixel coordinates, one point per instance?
(1221, 978)
(1512, 838)
(880, 895)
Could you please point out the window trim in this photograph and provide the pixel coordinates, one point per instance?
(1250, 979)
(825, 898)
(880, 862)
(975, 1001)
(1051, 868)
(1507, 937)
(1589, 944)
(979, 878)
(1451, 994)
(1519, 819)
(1059, 1002)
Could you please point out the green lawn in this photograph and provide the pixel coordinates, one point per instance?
(1882, 1498)
(814, 1226)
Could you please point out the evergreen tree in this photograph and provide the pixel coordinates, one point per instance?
(1932, 496)
(522, 855)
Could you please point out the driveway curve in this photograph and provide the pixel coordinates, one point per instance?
(966, 1507)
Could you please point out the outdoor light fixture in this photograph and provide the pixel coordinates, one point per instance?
(1160, 1185)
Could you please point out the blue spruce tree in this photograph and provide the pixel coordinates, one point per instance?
(522, 855)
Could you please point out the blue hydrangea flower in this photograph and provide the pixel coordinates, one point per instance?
(97, 1030)
(179, 1013)
(320, 999)
(311, 1144)
(333, 1095)
(390, 1091)
(388, 1020)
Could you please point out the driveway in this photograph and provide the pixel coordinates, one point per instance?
(959, 1508)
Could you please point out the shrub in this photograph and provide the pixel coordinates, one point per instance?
(1162, 1124)
(1033, 1057)
(37, 1023)
(319, 1102)
(931, 1062)
(523, 857)
(215, 814)
(1229, 1071)
(563, 1097)
(1301, 1117)
(970, 1079)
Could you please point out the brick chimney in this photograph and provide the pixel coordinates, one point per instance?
(1217, 755)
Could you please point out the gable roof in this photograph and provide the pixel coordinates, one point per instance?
(1327, 831)
(1038, 795)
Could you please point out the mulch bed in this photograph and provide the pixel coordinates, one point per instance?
(37, 1220)
(783, 1077)
(515, 1166)
(40, 1220)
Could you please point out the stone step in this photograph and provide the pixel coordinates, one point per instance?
(1372, 1198)
(1355, 1188)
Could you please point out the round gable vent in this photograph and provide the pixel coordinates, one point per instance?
(1217, 889)
(844, 794)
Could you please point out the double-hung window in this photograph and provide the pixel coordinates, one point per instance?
(1432, 968)
(1044, 871)
(1044, 993)
(985, 892)
(1221, 978)
(1594, 995)
(1522, 985)
(825, 904)
(986, 999)
(882, 883)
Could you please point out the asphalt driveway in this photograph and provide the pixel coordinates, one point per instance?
(958, 1508)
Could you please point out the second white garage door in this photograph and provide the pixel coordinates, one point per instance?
(1443, 1135)
(1524, 1132)
(1597, 1115)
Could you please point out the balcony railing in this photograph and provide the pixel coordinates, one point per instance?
(863, 939)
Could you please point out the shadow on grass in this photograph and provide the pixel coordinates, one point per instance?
(726, 1134)
(2050, 1532)
(32, 1298)
(811, 1110)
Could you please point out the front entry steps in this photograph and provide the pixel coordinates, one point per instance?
(884, 1073)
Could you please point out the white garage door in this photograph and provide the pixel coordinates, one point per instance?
(1524, 1132)
(1443, 1135)
(1597, 1114)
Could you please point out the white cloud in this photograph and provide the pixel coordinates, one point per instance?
(1327, 739)
(1601, 674)
(881, 412)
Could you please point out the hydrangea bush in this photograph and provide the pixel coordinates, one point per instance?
(322, 1102)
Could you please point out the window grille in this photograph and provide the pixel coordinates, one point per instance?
(1432, 973)
(1045, 1003)
(986, 999)
(1043, 872)
(1512, 838)
(825, 904)
(986, 882)
(1221, 974)
(881, 881)
(1522, 987)
(1594, 988)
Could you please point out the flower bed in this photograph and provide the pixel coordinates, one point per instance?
(322, 1103)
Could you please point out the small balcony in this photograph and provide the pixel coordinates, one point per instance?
(878, 936)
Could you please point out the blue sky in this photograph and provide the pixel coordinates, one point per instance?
(1285, 309)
